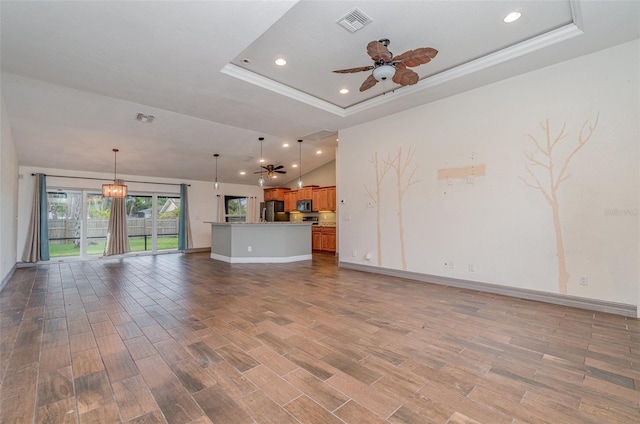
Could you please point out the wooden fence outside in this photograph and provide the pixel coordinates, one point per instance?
(97, 228)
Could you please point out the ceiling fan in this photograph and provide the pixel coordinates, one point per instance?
(386, 66)
(272, 170)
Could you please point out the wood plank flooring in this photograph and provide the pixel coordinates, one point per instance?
(185, 339)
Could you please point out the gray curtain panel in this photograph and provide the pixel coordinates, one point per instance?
(184, 225)
(117, 237)
(37, 245)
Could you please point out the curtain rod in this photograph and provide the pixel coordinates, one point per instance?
(109, 179)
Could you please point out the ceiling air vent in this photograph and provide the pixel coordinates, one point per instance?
(147, 119)
(354, 20)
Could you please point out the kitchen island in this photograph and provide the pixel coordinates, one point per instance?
(268, 242)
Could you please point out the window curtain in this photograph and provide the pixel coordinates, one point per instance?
(184, 225)
(37, 246)
(252, 209)
(220, 217)
(117, 238)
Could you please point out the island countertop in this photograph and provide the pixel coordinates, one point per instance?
(261, 242)
(284, 223)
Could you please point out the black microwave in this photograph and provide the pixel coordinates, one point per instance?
(303, 205)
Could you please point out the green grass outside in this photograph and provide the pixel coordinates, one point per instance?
(136, 245)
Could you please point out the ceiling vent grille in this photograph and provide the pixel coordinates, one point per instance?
(354, 20)
(147, 119)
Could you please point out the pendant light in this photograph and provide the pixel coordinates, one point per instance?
(216, 184)
(300, 164)
(117, 190)
(261, 180)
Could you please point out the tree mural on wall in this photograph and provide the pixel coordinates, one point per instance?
(404, 179)
(381, 168)
(548, 157)
(401, 165)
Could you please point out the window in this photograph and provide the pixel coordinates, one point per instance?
(235, 208)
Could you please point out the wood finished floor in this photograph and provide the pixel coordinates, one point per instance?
(184, 339)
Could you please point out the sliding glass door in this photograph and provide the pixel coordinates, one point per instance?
(79, 220)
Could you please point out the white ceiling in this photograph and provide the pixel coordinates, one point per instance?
(75, 74)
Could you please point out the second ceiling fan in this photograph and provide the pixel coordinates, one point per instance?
(387, 66)
(272, 170)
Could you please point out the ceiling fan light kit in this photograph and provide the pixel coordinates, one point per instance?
(383, 72)
(272, 170)
(388, 66)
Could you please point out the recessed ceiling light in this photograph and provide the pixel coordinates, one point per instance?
(319, 152)
(243, 173)
(295, 165)
(512, 17)
(285, 145)
(280, 61)
(261, 160)
(344, 90)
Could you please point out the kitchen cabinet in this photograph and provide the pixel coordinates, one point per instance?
(306, 192)
(323, 239)
(324, 199)
(331, 198)
(315, 199)
(290, 200)
(316, 238)
(276, 193)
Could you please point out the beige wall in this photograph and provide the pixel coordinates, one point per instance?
(501, 224)
(9, 196)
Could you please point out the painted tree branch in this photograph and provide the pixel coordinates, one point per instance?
(401, 166)
(376, 197)
(550, 192)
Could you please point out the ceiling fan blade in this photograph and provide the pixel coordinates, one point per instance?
(259, 172)
(404, 76)
(416, 57)
(278, 167)
(368, 83)
(353, 70)
(281, 172)
(378, 51)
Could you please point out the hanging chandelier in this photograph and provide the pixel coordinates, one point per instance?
(300, 164)
(117, 190)
(216, 184)
(261, 180)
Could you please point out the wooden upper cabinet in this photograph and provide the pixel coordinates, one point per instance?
(276, 193)
(331, 198)
(315, 199)
(306, 192)
(324, 199)
(290, 200)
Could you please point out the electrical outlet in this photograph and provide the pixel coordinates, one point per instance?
(249, 249)
(450, 264)
(584, 280)
(472, 268)
(354, 253)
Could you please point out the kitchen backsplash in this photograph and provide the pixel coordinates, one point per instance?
(324, 218)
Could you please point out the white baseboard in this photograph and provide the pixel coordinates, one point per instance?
(260, 260)
(555, 298)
